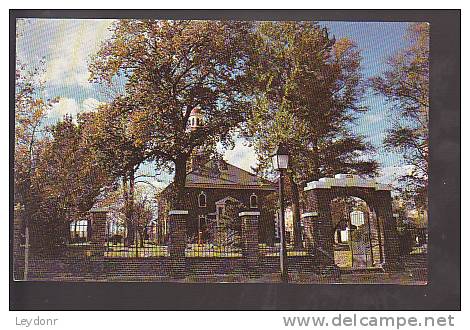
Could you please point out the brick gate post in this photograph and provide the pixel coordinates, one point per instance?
(384, 213)
(98, 241)
(318, 218)
(250, 240)
(308, 220)
(177, 243)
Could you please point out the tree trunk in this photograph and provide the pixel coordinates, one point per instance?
(141, 238)
(295, 204)
(316, 161)
(180, 182)
(131, 231)
(74, 231)
(129, 236)
(128, 192)
(89, 229)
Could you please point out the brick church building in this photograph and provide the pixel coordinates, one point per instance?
(210, 186)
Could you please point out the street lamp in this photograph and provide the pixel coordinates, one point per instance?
(280, 163)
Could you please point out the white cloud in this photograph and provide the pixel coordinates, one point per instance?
(75, 42)
(391, 174)
(60, 71)
(242, 156)
(158, 184)
(91, 104)
(65, 44)
(63, 107)
(72, 107)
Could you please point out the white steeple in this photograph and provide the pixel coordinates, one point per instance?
(198, 157)
(195, 118)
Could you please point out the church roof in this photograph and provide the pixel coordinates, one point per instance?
(220, 174)
(195, 111)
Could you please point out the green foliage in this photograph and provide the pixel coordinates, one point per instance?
(68, 180)
(70, 167)
(406, 241)
(307, 92)
(308, 89)
(228, 232)
(406, 86)
(110, 137)
(30, 110)
(360, 234)
(170, 68)
(57, 176)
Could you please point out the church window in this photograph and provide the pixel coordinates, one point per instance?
(253, 201)
(202, 199)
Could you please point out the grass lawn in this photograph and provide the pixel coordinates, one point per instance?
(343, 259)
(148, 250)
(209, 250)
(119, 250)
(273, 251)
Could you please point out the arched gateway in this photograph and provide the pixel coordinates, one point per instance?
(318, 224)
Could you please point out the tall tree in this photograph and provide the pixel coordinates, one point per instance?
(31, 108)
(143, 212)
(169, 68)
(51, 188)
(406, 87)
(119, 151)
(67, 187)
(307, 94)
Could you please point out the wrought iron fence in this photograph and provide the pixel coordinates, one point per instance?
(273, 250)
(124, 242)
(215, 237)
(365, 245)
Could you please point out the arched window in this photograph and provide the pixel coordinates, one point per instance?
(253, 201)
(202, 199)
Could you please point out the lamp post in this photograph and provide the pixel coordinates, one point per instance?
(199, 237)
(280, 163)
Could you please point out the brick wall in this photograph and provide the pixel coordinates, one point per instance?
(210, 266)
(72, 263)
(300, 264)
(121, 268)
(213, 195)
(75, 265)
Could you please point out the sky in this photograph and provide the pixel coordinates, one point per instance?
(67, 44)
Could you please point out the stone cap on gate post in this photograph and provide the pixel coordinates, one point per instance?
(178, 212)
(99, 213)
(309, 215)
(249, 214)
(347, 180)
(99, 210)
(98, 218)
